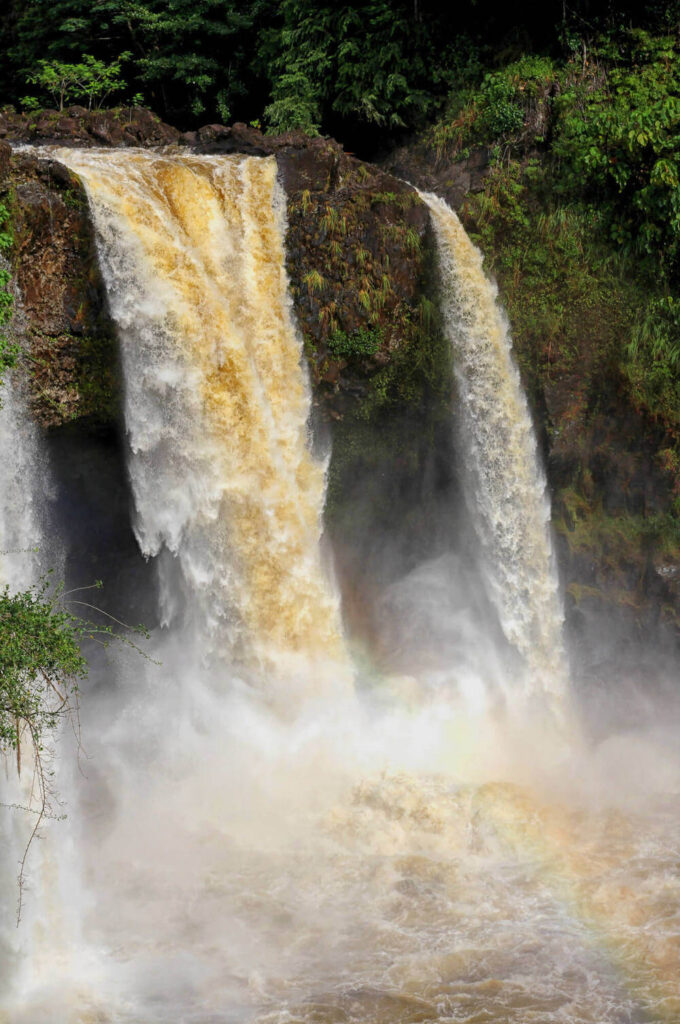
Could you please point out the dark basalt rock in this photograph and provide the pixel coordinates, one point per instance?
(68, 336)
(452, 179)
(76, 126)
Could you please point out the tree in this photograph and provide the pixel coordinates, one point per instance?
(57, 78)
(295, 103)
(41, 666)
(98, 80)
(373, 62)
(90, 78)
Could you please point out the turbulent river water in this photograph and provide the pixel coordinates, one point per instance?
(251, 835)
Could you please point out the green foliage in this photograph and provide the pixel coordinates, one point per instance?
(30, 103)
(40, 663)
(608, 118)
(363, 342)
(41, 666)
(618, 541)
(187, 57)
(90, 79)
(658, 333)
(314, 280)
(571, 305)
(295, 104)
(374, 63)
(498, 108)
(182, 44)
(653, 366)
(618, 137)
(8, 349)
(311, 64)
(6, 234)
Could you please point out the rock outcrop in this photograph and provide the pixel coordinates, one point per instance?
(76, 126)
(69, 340)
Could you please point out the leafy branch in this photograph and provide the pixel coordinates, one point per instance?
(41, 668)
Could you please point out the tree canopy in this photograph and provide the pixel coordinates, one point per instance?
(361, 71)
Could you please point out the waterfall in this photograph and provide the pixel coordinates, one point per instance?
(23, 559)
(216, 400)
(506, 488)
(20, 520)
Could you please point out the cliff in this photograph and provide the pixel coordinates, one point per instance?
(363, 279)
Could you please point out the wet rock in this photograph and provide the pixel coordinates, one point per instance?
(68, 337)
(450, 177)
(76, 126)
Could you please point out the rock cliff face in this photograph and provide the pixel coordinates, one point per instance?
(69, 340)
(361, 265)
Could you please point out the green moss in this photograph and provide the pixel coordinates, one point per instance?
(74, 197)
(573, 302)
(359, 343)
(377, 352)
(74, 377)
(406, 404)
(98, 378)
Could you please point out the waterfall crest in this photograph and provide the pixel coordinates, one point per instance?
(216, 400)
(505, 486)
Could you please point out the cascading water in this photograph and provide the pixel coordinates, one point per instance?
(506, 487)
(216, 401)
(347, 863)
(23, 559)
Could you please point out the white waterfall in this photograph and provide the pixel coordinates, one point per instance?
(23, 558)
(506, 488)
